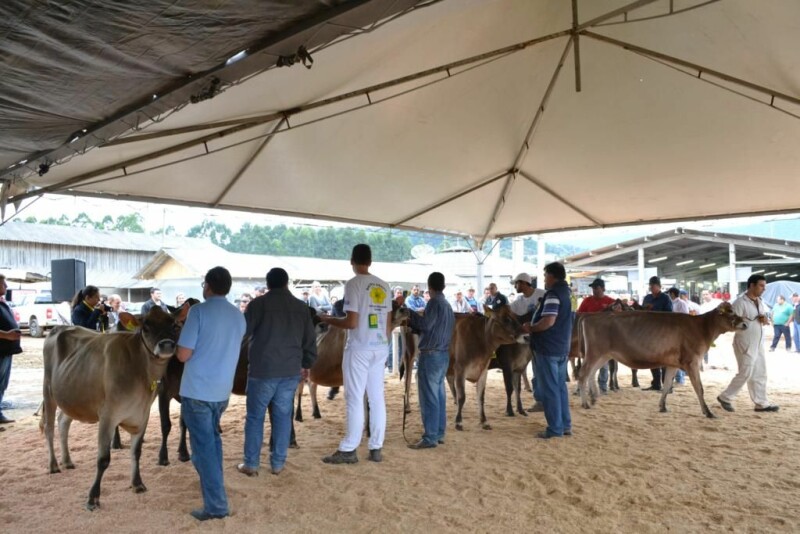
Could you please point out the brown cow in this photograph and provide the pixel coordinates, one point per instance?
(645, 340)
(110, 379)
(475, 339)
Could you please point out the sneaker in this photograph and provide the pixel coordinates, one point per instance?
(249, 471)
(770, 408)
(727, 406)
(375, 455)
(422, 444)
(440, 441)
(341, 457)
(202, 515)
(537, 407)
(5, 420)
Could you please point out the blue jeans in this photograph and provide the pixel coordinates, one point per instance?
(778, 330)
(432, 404)
(680, 377)
(260, 393)
(550, 372)
(202, 422)
(5, 374)
(795, 328)
(602, 378)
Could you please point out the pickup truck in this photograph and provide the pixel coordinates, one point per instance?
(37, 312)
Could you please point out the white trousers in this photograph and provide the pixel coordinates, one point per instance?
(363, 372)
(752, 371)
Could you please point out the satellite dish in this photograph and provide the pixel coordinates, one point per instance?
(422, 250)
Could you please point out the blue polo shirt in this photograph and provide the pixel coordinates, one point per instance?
(436, 326)
(214, 331)
(661, 303)
(555, 340)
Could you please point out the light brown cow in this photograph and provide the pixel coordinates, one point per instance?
(645, 340)
(110, 379)
(475, 338)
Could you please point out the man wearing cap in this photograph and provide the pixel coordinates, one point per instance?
(528, 298)
(597, 302)
(694, 308)
(658, 302)
(495, 298)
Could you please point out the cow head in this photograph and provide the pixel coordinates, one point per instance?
(399, 314)
(158, 329)
(729, 319)
(503, 324)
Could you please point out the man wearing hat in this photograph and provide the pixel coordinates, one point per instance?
(598, 302)
(658, 302)
(528, 298)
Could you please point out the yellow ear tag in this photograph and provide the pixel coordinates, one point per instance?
(153, 386)
(130, 326)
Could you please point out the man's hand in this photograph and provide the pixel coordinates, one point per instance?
(11, 335)
(525, 328)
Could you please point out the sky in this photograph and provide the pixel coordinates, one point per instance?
(183, 218)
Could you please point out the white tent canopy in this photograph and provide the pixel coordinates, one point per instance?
(464, 118)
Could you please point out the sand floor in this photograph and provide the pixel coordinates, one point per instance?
(627, 468)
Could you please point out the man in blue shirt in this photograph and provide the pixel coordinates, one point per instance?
(551, 332)
(9, 344)
(209, 346)
(436, 330)
(414, 301)
(658, 302)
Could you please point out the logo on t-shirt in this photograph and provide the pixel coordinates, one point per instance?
(377, 295)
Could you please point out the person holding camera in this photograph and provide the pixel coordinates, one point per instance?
(87, 308)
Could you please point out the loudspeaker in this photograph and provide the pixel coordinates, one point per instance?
(67, 277)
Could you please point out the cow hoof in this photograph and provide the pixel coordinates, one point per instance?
(486, 426)
(585, 406)
(459, 426)
(294, 445)
(663, 409)
(69, 465)
(54, 470)
(299, 418)
(140, 488)
(93, 505)
(510, 414)
(163, 462)
(710, 415)
(523, 413)
(316, 414)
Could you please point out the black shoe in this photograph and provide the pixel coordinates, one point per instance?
(727, 406)
(422, 444)
(770, 408)
(544, 435)
(537, 407)
(440, 441)
(375, 455)
(5, 420)
(651, 388)
(341, 457)
(201, 515)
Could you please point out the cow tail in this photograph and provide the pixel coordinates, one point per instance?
(581, 350)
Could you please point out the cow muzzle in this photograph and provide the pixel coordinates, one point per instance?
(165, 348)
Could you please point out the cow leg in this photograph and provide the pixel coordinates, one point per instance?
(312, 391)
(116, 442)
(634, 378)
(183, 450)
(517, 380)
(613, 367)
(105, 432)
(298, 413)
(136, 453)
(460, 396)
(525, 381)
(693, 370)
(665, 387)
(166, 426)
(48, 423)
(451, 381)
(508, 381)
(481, 397)
(64, 422)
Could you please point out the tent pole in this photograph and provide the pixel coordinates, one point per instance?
(563, 200)
(624, 10)
(576, 46)
(249, 161)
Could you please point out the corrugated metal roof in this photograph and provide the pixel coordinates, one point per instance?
(51, 234)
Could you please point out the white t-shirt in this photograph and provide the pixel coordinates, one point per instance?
(680, 306)
(523, 304)
(710, 305)
(369, 296)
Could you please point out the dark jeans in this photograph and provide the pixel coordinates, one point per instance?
(795, 327)
(550, 372)
(5, 374)
(431, 369)
(261, 393)
(781, 329)
(202, 422)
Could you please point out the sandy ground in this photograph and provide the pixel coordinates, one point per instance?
(627, 468)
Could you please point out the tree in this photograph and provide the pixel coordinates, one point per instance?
(132, 222)
(218, 233)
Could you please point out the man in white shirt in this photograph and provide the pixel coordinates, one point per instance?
(708, 302)
(678, 306)
(368, 310)
(748, 346)
(460, 305)
(528, 298)
(694, 308)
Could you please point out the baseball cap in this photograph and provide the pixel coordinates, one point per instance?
(522, 277)
(684, 292)
(598, 282)
(654, 280)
